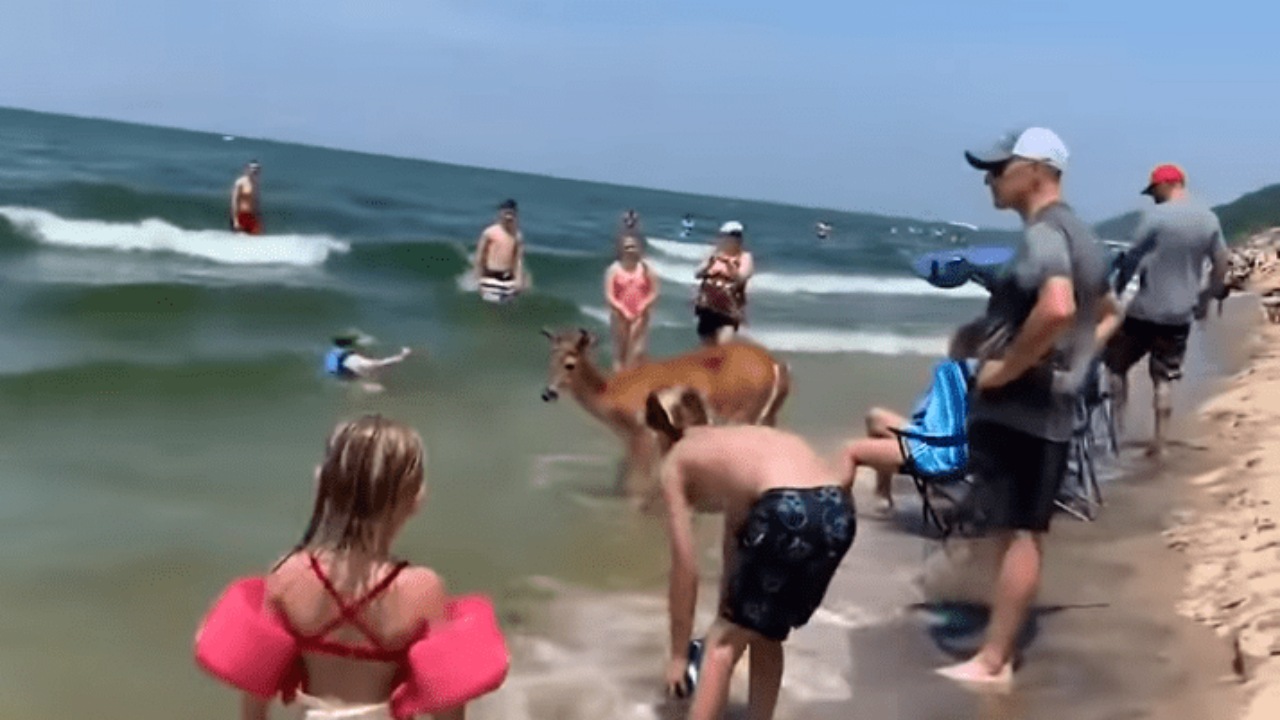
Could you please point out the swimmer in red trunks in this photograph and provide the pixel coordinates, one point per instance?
(244, 201)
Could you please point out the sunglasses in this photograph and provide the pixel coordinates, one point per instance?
(1000, 168)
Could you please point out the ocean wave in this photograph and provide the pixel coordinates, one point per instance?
(823, 341)
(109, 380)
(166, 307)
(432, 259)
(819, 283)
(158, 236)
(810, 340)
(682, 250)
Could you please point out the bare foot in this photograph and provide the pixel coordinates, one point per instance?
(976, 675)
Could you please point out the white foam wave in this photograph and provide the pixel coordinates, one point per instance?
(682, 250)
(811, 340)
(820, 283)
(535, 249)
(823, 341)
(154, 235)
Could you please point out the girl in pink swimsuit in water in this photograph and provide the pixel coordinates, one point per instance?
(631, 289)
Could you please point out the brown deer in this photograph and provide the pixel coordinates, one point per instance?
(741, 382)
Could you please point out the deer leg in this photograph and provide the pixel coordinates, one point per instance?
(642, 453)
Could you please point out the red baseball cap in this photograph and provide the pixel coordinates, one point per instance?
(1165, 174)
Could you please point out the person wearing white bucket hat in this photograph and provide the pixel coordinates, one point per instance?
(722, 294)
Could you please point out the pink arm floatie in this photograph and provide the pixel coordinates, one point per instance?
(457, 661)
(243, 644)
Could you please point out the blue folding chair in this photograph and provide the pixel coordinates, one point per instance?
(935, 445)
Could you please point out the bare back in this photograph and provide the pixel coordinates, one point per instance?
(393, 619)
(729, 468)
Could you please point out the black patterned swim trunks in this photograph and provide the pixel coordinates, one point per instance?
(787, 552)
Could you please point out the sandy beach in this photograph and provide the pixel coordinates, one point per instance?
(1230, 536)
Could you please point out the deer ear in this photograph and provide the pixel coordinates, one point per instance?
(548, 334)
(694, 408)
(656, 417)
(585, 338)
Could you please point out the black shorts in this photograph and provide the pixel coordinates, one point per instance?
(786, 554)
(1167, 345)
(710, 322)
(1016, 477)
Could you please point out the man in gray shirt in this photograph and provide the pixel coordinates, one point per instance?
(1173, 241)
(1051, 310)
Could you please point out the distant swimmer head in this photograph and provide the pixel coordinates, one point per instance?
(630, 218)
(508, 210)
(670, 411)
(254, 167)
(371, 481)
(350, 338)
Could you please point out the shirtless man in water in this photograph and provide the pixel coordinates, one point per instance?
(789, 520)
(500, 256)
(244, 201)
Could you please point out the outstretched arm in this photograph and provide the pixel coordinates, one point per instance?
(362, 365)
(683, 590)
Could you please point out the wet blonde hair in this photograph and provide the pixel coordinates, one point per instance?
(372, 467)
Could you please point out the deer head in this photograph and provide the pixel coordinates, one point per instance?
(568, 351)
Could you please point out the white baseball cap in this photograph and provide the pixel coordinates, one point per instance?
(732, 227)
(1035, 143)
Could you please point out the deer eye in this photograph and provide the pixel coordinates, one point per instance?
(570, 364)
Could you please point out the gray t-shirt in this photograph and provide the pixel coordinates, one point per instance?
(1042, 402)
(1170, 247)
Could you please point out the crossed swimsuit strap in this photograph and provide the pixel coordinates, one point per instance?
(349, 614)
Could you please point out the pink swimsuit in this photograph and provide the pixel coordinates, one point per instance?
(632, 288)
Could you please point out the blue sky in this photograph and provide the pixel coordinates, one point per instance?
(862, 106)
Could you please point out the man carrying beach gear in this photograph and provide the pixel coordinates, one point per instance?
(244, 201)
(1174, 241)
(789, 520)
(499, 265)
(344, 362)
(1050, 302)
(722, 293)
